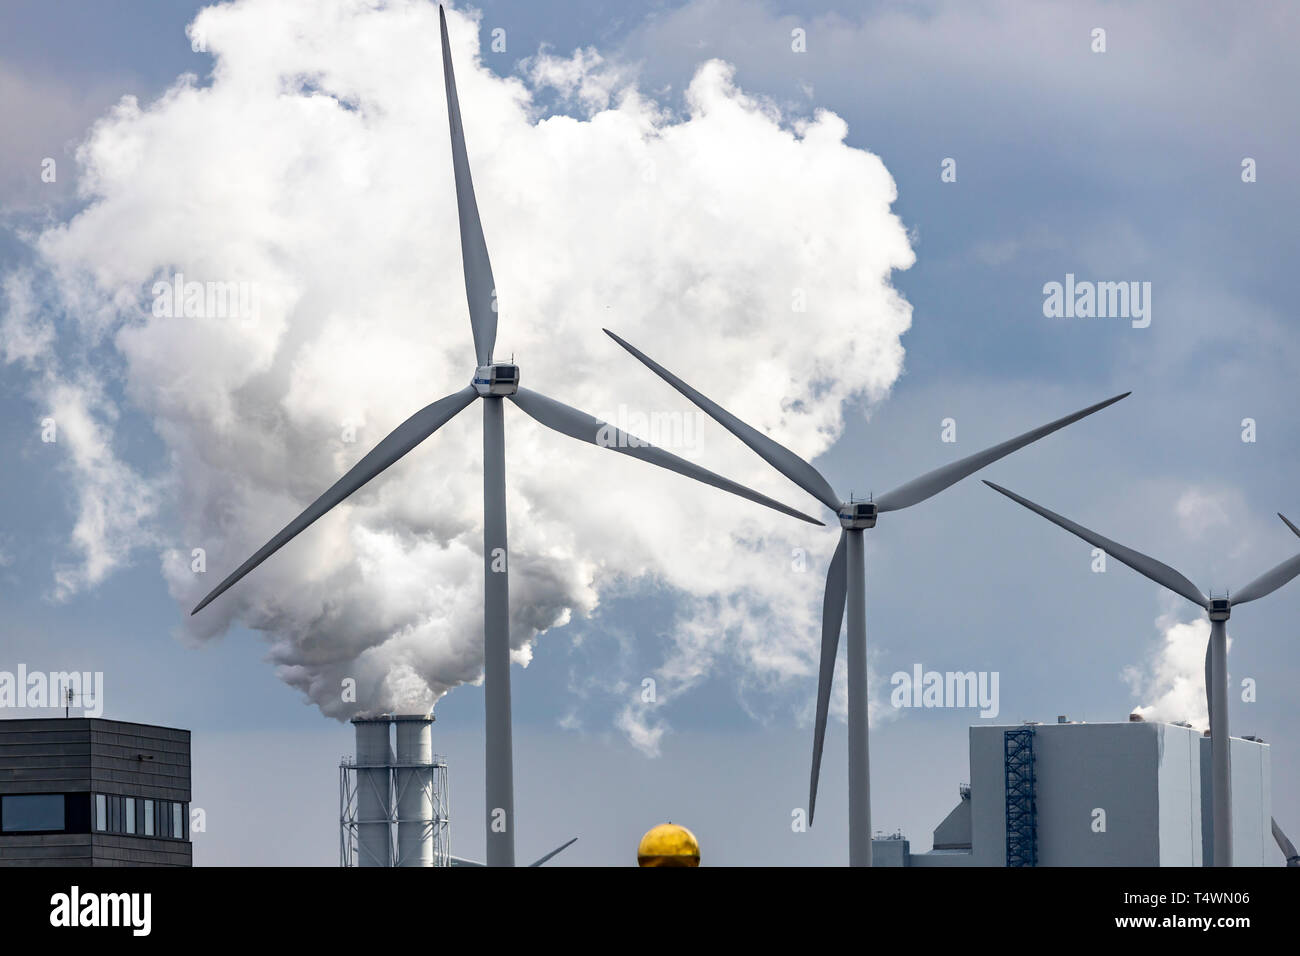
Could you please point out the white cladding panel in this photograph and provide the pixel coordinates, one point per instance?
(1252, 803)
(1179, 779)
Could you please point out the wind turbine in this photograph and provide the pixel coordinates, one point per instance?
(1283, 841)
(492, 382)
(540, 861)
(1284, 844)
(1216, 654)
(846, 577)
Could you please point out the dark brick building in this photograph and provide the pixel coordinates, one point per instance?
(91, 792)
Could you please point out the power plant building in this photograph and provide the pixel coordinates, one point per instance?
(1135, 793)
(85, 791)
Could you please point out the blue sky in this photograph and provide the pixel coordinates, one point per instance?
(1122, 165)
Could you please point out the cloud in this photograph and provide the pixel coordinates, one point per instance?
(114, 503)
(748, 251)
(586, 77)
(949, 57)
(25, 337)
(42, 115)
(642, 731)
(1200, 511)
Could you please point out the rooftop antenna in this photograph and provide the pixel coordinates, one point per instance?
(846, 577)
(68, 699)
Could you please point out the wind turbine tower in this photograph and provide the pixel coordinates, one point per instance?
(1216, 653)
(492, 382)
(846, 577)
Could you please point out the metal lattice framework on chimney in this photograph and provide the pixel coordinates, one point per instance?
(393, 804)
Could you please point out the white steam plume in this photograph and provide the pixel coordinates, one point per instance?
(1173, 678)
(749, 252)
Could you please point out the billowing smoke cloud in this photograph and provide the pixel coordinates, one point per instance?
(308, 186)
(1173, 679)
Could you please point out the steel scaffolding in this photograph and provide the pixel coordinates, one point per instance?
(439, 823)
(1022, 811)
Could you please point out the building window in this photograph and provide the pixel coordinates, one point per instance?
(135, 816)
(25, 813)
(77, 812)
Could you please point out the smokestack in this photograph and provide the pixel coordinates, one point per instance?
(374, 795)
(413, 783)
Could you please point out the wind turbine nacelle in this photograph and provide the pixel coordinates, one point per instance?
(499, 379)
(857, 514)
(1220, 609)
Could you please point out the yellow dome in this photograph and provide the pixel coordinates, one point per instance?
(668, 845)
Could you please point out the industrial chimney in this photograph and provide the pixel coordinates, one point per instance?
(383, 789)
(374, 791)
(413, 784)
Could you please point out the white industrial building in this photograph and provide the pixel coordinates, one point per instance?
(1135, 793)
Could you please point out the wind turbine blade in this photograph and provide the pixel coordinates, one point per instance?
(563, 846)
(778, 456)
(401, 440)
(1160, 573)
(580, 425)
(1285, 845)
(1209, 681)
(1289, 524)
(837, 585)
(480, 288)
(1268, 582)
(933, 482)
